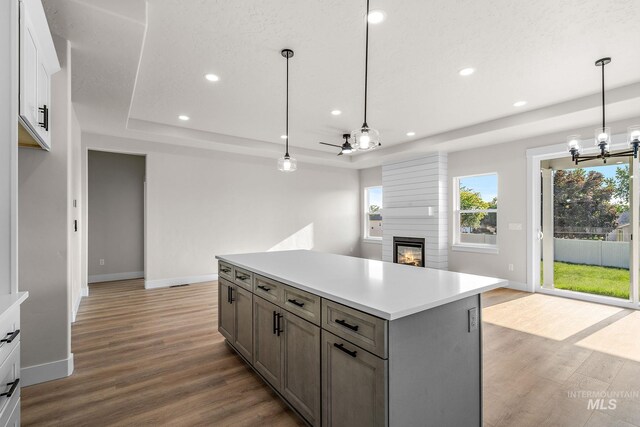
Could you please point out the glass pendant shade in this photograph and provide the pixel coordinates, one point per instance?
(365, 139)
(287, 164)
(573, 144)
(603, 136)
(633, 135)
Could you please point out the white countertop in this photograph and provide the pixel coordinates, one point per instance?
(8, 301)
(383, 289)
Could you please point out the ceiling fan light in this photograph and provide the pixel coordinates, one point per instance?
(287, 164)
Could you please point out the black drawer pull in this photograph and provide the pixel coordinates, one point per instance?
(346, 325)
(14, 386)
(45, 118)
(349, 352)
(12, 336)
(242, 277)
(275, 328)
(264, 288)
(225, 270)
(279, 330)
(294, 302)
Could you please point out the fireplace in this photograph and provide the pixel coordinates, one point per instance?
(409, 251)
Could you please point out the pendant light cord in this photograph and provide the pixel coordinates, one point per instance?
(287, 119)
(366, 65)
(603, 122)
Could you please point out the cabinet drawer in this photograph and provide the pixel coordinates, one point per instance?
(13, 419)
(225, 270)
(362, 329)
(10, 331)
(302, 303)
(243, 278)
(268, 289)
(9, 374)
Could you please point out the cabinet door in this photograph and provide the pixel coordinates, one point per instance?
(226, 310)
(354, 385)
(266, 340)
(243, 338)
(28, 71)
(43, 102)
(301, 366)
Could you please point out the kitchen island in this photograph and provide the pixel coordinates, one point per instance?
(350, 341)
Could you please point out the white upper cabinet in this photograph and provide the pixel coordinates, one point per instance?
(38, 61)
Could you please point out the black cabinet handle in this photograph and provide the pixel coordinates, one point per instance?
(264, 288)
(294, 302)
(279, 329)
(11, 337)
(242, 277)
(225, 270)
(275, 328)
(45, 117)
(341, 347)
(14, 386)
(231, 300)
(346, 325)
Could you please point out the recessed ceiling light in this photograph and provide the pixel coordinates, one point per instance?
(183, 117)
(467, 71)
(283, 136)
(519, 103)
(376, 16)
(336, 112)
(411, 133)
(211, 77)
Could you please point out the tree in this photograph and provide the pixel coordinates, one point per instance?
(583, 206)
(621, 186)
(374, 209)
(471, 200)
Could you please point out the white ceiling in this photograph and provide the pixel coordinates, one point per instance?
(135, 71)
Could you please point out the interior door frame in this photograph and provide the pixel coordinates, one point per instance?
(534, 157)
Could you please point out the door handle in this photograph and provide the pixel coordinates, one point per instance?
(275, 328)
(279, 330)
(231, 300)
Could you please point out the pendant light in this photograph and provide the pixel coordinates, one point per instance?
(287, 163)
(603, 135)
(366, 138)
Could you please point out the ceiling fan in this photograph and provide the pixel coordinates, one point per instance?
(345, 148)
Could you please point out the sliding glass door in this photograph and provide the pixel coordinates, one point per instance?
(586, 226)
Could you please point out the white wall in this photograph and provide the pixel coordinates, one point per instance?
(74, 211)
(44, 242)
(369, 177)
(8, 145)
(116, 216)
(510, 162)
(201, 203)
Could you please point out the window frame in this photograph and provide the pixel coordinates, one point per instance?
(365, 219)
(457, 245)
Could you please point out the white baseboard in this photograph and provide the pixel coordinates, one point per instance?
(165, 283)
(84, 291)
(116, 276)
(36, 374)
(518, 286)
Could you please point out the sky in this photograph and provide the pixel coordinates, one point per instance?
(609, 171)
(375, 196)
(486, 185)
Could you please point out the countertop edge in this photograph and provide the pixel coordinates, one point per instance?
(366, 309)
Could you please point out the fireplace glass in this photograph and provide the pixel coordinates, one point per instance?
(409, 251)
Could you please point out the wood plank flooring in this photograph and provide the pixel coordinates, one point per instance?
(154, 357)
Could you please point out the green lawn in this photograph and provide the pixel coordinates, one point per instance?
(613, 282)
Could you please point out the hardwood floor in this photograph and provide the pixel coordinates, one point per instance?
(154, 357)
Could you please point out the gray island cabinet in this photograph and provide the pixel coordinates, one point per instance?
(353, 342)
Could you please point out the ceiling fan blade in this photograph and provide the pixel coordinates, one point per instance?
(332, 145)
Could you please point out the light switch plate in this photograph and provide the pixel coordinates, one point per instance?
(473, 319)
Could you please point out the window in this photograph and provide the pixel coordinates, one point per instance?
(476, 213)
(373, 213)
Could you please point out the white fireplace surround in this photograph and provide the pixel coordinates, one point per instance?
(415, 205)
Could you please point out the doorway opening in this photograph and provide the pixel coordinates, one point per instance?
(115, 216)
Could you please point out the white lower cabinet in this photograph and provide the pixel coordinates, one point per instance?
(10, 360)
